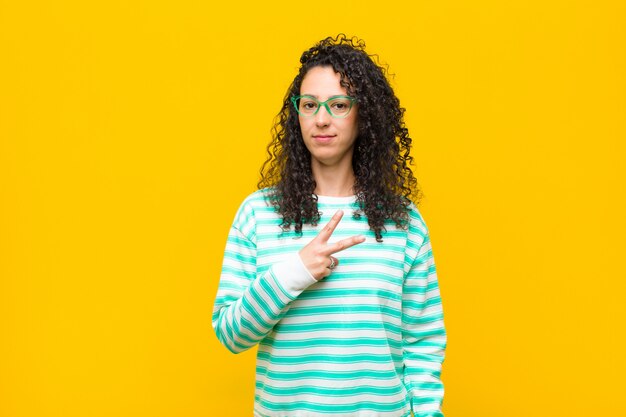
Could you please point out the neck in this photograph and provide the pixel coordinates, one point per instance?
(334, 180)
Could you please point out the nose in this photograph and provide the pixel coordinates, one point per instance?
(322, 118)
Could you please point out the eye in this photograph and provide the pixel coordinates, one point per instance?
(340, 106)
(308, 105)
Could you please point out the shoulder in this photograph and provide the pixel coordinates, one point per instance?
(245, 221)
(251, 206)
(257, 199)
(417, 230)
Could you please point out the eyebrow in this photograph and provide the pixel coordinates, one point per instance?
(317, 97)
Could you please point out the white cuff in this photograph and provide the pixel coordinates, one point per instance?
(292, 274)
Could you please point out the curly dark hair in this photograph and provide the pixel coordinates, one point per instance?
(385, 185)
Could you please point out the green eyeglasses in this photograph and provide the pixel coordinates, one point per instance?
(337, 106)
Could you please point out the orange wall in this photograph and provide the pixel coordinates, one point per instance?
(131, 131)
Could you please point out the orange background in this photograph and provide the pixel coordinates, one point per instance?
(130, 131)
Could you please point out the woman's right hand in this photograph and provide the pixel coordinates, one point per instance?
(316, 256)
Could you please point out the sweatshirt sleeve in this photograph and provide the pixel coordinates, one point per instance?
(248, 304)
(423, 333)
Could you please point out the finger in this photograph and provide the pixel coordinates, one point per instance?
(328, 230)
(332, 263)
(343, 244)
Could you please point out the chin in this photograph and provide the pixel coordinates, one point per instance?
(327, 160)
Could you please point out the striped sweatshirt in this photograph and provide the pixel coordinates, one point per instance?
(366, 341)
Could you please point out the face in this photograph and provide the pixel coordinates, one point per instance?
(330, 140)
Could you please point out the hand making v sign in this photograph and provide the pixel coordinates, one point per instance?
(316, 256)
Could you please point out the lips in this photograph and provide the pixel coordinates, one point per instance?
(323, 139)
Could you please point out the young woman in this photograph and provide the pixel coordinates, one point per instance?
(328, 267)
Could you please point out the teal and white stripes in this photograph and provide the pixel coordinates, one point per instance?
(366, 341)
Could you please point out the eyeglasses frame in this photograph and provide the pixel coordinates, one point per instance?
(321, 104)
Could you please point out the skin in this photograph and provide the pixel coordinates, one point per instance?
(330, 141)
(317, 255)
